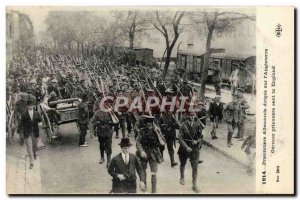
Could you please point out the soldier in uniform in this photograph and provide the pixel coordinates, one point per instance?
(168, 126)
(148, 143)
(123, 116)
(54, 88)
(216, 77)
(83, 120)
(101, 124)
(243, 105)
(232, 111)
(185, 89)
(190, 139)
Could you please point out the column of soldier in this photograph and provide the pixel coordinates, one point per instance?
(92, 79)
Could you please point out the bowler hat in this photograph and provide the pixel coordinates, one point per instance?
(125, 142)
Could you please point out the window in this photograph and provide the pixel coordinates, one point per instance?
(198, 64)
(189, 62)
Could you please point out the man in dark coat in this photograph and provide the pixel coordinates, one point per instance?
(216, 115)
(30, 128)
(20, 108)
(123, 168)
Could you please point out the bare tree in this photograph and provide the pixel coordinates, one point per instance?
(131, 24)
(169, 27)
(215, 23)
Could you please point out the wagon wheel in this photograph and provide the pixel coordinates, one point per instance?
(48, 127)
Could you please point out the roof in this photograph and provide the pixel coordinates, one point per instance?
(138, 48)
(232, 56)
(221, 55)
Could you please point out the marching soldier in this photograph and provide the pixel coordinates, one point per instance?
(101, 124)
(190, 139)
(123, 115)
(54, 88)
(168, 126)
(83, 120)
(148, 143)
(185, 89)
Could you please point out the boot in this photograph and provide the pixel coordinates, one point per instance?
(182, 175)
(194, 176)
(117, 133)
(108, 160)
(153, 182)
(173, 163)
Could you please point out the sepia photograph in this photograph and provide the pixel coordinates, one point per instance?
(131, 100)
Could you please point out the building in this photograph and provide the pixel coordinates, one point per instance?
(19, 32)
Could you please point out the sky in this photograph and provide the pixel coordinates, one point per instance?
(245, 43)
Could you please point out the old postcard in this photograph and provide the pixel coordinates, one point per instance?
(150, 100)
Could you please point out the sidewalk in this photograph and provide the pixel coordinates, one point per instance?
(19, 178)
(220, 145)
(227, 97)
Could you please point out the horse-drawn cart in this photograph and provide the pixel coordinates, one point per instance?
(57, 113)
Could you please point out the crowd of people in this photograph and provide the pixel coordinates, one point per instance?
(38, 78)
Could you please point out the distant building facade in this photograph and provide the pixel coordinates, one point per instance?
(19, 31)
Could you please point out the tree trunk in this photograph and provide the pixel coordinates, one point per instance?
(167, 63)
(78, 47)
(204, 73)
(69, 45)
(82, 49)
(131, 40)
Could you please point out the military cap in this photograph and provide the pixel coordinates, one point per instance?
(149, 90)
(234, 95)
(54, 81)
(169, 90)
(33, 81)
(53, 94)
(147, 118)
(84, 95)
(23, 94)
(217, 96)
